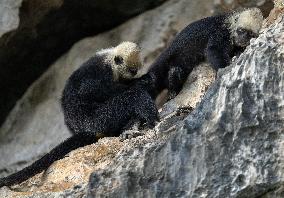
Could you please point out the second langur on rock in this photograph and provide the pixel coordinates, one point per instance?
(215, 39)
(97, 101)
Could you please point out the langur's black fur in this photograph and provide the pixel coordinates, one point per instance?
(214, 39)
(97, 101)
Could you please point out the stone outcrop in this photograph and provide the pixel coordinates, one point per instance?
(193, 90)
(231, 145)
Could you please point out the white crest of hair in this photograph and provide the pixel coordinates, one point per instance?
(249, 19)
(129, 51)
(109, 59)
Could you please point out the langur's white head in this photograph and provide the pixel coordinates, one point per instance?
(124, 59)
(245, 25)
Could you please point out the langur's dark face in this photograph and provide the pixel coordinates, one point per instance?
(242, 37)
(126, 70)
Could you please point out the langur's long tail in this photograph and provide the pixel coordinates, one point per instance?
(75, 141)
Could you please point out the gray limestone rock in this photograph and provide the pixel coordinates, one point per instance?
(231, 145)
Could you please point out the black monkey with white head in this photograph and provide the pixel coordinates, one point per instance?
(98, 97)
(215, 39)
(97, 101)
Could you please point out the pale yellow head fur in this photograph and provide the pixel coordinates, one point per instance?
(129, 56)
(250, 19)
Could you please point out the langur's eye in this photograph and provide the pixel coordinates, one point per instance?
(118, 60)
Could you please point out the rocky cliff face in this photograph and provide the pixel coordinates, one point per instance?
(229, 146)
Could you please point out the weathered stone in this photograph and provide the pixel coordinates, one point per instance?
(193, 90)
(73, 171)
(231, 145)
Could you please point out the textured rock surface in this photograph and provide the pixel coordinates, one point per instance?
(275, 12)
(71, 174)
(231, 145)
(193, 90)
(39, 32)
